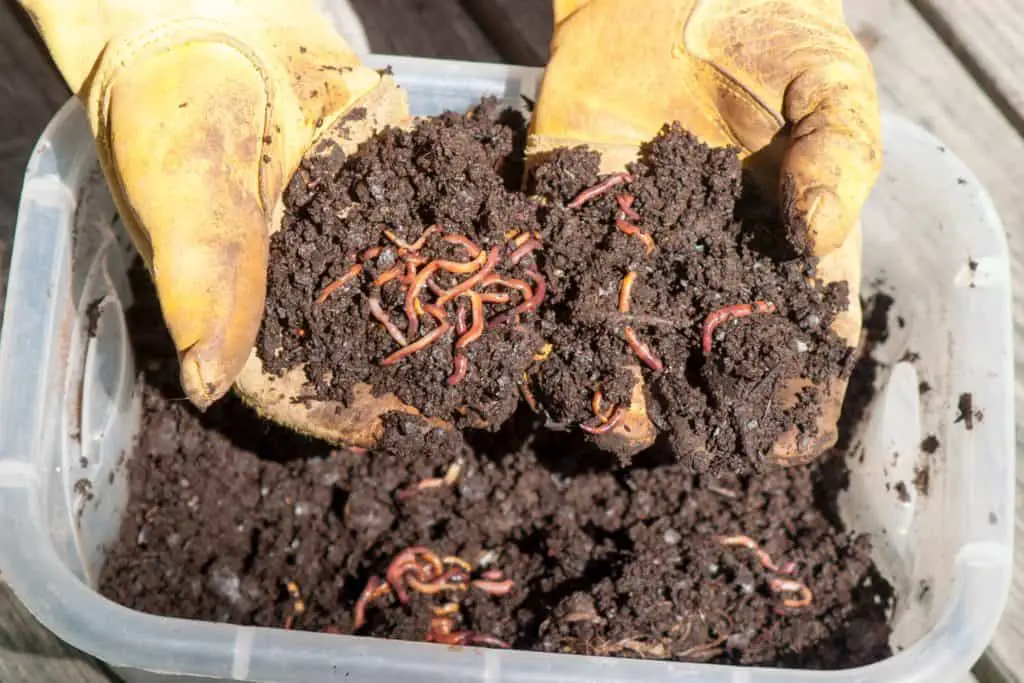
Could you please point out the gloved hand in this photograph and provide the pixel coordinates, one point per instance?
(783, 80)
(202, 110)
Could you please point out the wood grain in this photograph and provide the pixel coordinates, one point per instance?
(521, 29)
(424, 28)
(985, 36)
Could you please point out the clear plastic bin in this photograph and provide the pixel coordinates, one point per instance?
(69, 410)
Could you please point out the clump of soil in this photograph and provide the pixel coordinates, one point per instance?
(416, 265)
(226, 511)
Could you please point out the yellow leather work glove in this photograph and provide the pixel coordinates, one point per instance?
(782, 80)
(202, 110)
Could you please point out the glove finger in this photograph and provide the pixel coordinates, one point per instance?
(833, 155)
(796, 448)
(185, 149)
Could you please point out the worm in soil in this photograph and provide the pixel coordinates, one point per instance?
(608, 425)
(384, 319)
(426, 340)
(298, 605)
(374, 589)
(779, 585)
(339, 283)
(625, 202)
(762, 556)
(599, 189)
(492, 587)
(418, 244)
(626, 292)
(722, 315)
(634, 231)
(643, 351)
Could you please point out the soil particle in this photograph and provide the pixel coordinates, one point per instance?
(930, 444)
(923, 388)
(902, 493)
(92, 316)
(966, 412)
(225, 510)
(922, 479)
(346, 291)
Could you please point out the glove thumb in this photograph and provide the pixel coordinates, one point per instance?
(187, 153)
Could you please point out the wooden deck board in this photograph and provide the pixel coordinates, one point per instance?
(424, 28)
(985, 36)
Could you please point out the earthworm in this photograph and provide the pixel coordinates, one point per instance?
(457, 561)
(495, 297)
(371, 253)
(446, 610)
(643, 351)
(435, 288)
(494, 587)
(762, 556)
(722, 315)
(779, 585)
(460, 319)
(595, 405)
(520, 253)
(418, 244)
(298, 604)
(518, 240)
(626, 291)
(532, 303)
(464, 242)
(454, 578)
(632, 230)
(374, 589)
(477, 328)
(473, 280)
(389, 275)
(602, 187)
(449, 478)
(339, 283)
(625, 202)
(424, 341)
(466, 638)
(513, 283)
(421, 485)
(529, 397)
(462, 267)
(460, 368)
(412, 294)
(384, 319)
(608, 425)
(415, 258)
(406, 560)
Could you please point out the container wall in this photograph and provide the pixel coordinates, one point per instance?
(68, 411)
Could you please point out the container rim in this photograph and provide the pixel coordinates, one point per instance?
(70, 609)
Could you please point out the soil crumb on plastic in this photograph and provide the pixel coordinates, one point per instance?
(966, 412)
(581, 555)
(417, 266)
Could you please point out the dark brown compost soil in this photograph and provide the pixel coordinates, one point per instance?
(230, 519)
(418, 266)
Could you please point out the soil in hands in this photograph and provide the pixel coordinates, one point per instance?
(230, 519)
(417, 266)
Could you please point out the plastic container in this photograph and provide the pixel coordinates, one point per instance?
(68, 412)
